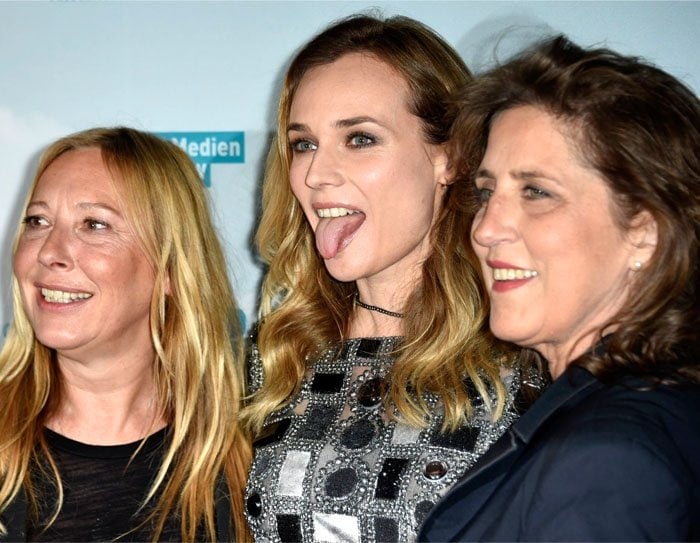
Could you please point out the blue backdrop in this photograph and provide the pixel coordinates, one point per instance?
(207, 73)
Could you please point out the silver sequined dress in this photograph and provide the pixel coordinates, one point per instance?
(333, 467)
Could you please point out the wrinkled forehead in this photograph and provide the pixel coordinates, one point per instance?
(78, 174)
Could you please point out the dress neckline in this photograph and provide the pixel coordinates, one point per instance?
(125, 450)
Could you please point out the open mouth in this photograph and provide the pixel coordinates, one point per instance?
(332, 212)
(63, 297)
(512, 274)
(336, 228)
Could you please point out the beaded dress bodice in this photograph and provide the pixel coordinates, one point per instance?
(332, 466)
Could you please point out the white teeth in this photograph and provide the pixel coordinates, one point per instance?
(61, 297)
(329, 212)
(510, 274)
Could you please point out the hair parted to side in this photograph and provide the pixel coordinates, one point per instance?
(304, 309)
(195, 330)
(639, 128)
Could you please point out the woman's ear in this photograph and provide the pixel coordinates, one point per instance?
(643, 234)
(441, 164)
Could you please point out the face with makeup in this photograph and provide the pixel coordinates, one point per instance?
(556, 263)
(86, 283)
(369, 184)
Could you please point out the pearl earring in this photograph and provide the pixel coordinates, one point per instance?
(637, 265)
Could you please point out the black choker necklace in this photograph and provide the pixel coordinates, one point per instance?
(377, 309)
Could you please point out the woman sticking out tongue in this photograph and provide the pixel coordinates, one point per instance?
(373, 384)
(335, 229)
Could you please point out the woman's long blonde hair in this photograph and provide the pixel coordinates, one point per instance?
(195, 331)
(303, 308)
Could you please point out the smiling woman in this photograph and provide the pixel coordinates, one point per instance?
(547, 236)
(84, 276)
(586, 165)
(119, 378)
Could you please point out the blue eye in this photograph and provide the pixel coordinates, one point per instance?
(482, 194)
(361, 139)
(302, 146)
(535, 193)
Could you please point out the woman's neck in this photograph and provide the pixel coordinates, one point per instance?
(366, 324)
(379, 307)
(559, 356)
(107, 403)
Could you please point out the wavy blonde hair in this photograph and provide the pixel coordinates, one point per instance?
(304, 309)
(195, 331)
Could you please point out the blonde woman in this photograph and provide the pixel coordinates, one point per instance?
(119, 383)
(376, 384)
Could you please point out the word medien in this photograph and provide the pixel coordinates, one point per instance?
(209, 147)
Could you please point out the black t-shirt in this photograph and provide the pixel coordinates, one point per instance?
(103, 492)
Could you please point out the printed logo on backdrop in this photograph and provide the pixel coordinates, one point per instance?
(206, 148)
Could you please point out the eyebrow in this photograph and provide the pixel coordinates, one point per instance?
(341, 123)
(523, 175)
(82, 205)
(97, 205)
(483, 172)
(297, 127)
(345, 123)
(527, 175)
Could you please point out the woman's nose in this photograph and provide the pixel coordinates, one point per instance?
(494, 223)
(55, 251)
(324, 168)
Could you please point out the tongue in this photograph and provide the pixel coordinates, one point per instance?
(332, 235)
